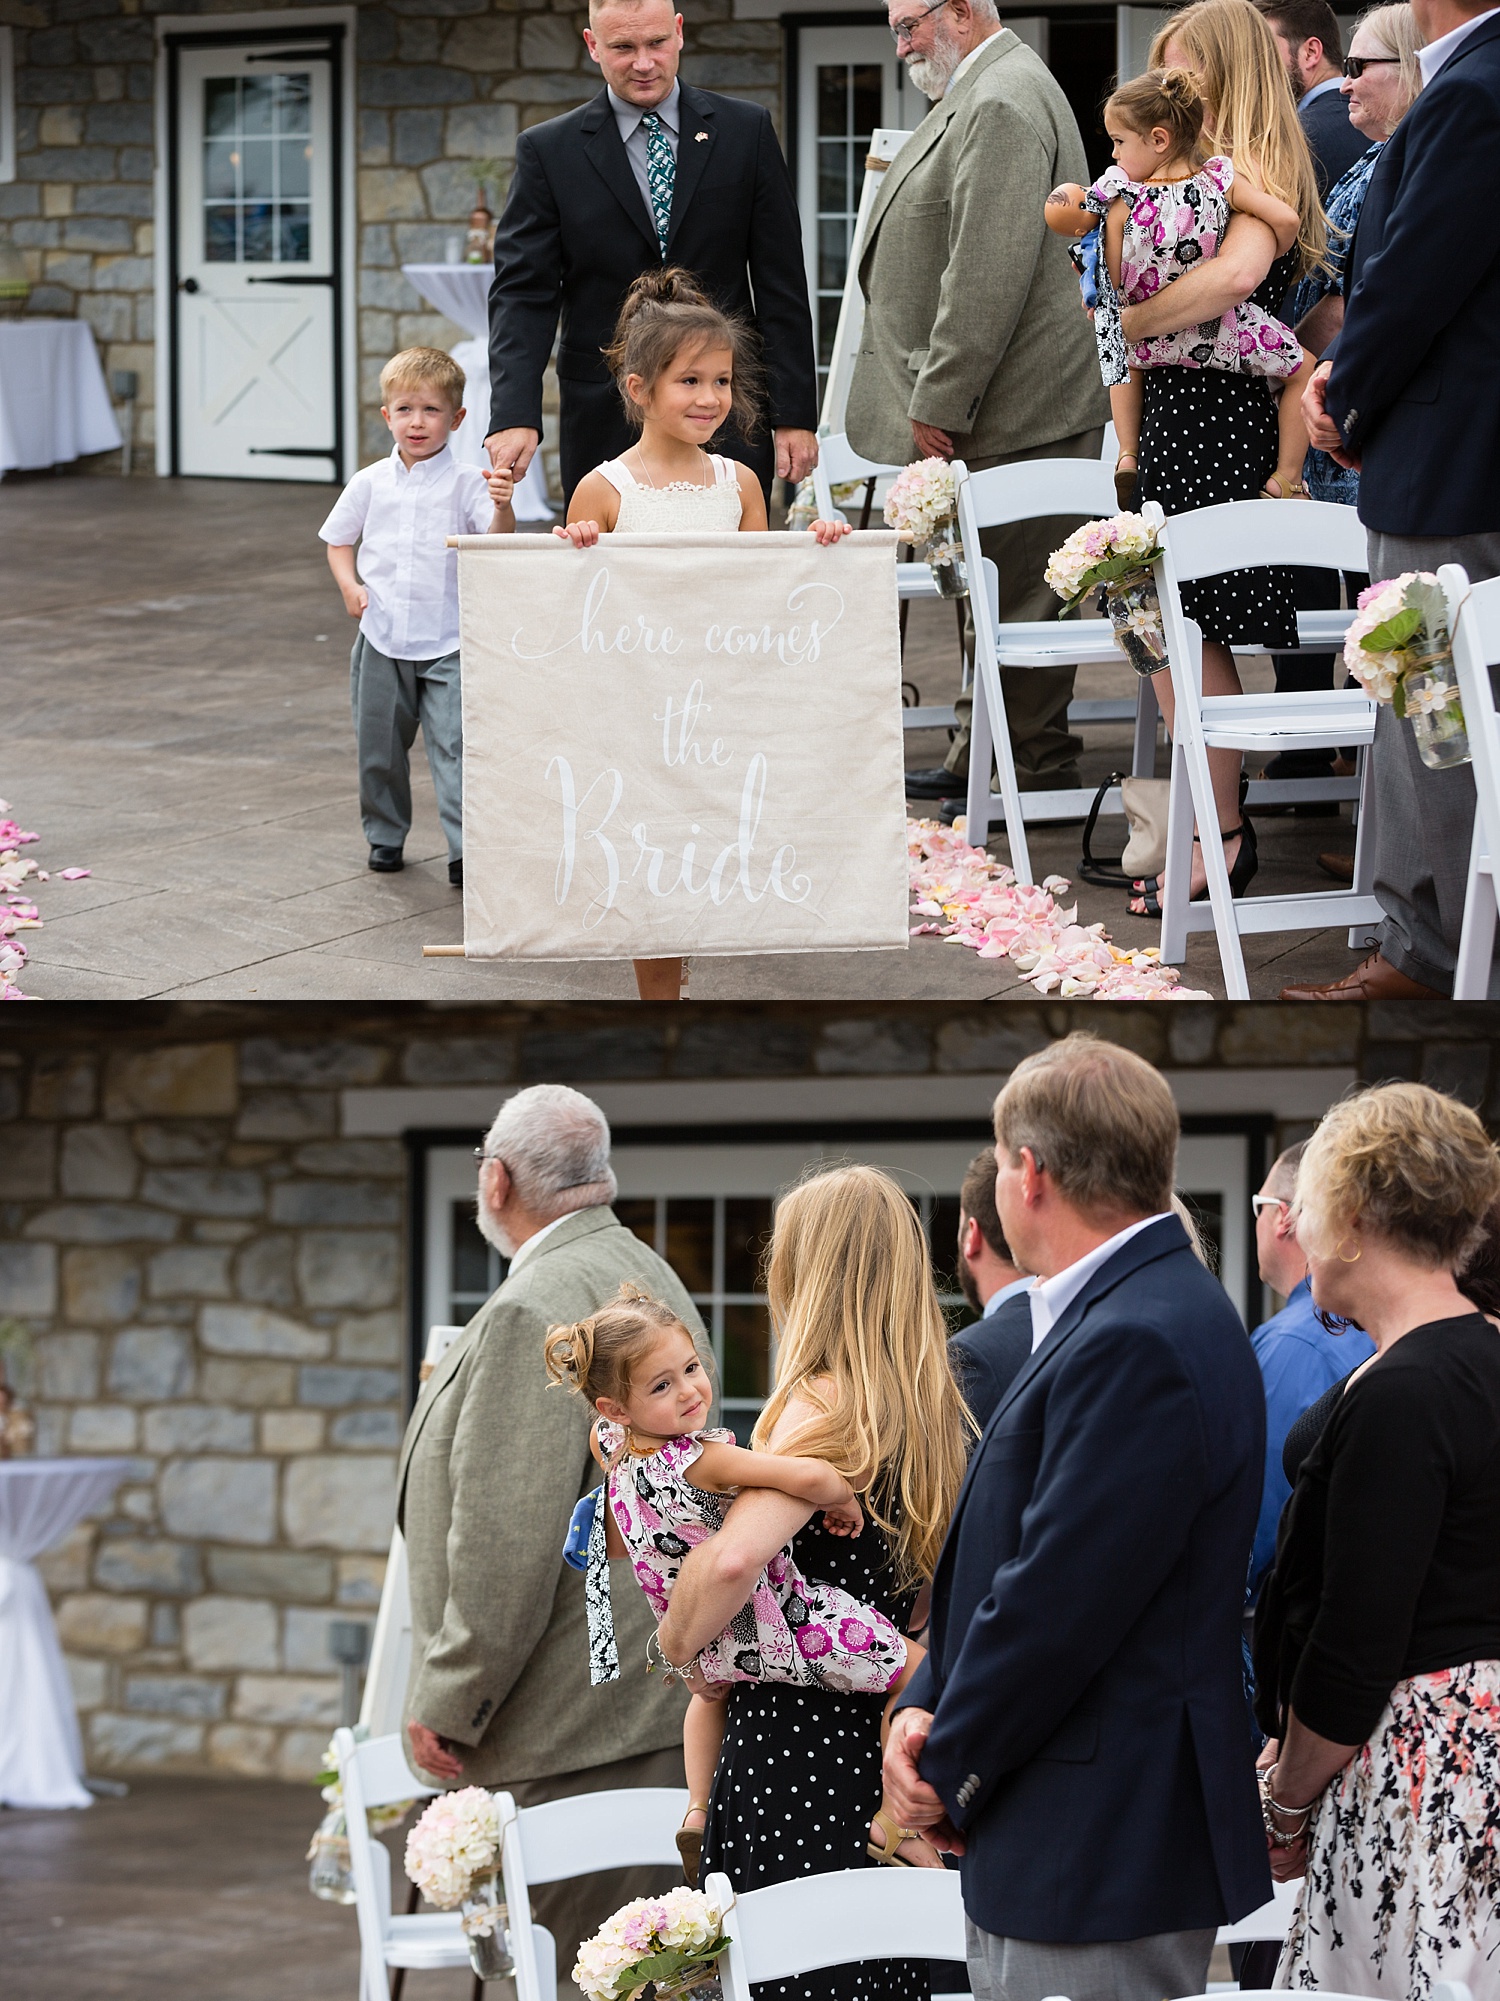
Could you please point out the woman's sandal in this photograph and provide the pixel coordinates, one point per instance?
(892, 1834)
(1126, 483)
(1295, 490)
(690, 1845)
(1246, 862)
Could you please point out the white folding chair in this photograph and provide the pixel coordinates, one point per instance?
(1442, 1990)
(627, 1828)
(1205, 543)
(374, 1774)
(813, 1921)
(1474, 623)
(1270, 1921)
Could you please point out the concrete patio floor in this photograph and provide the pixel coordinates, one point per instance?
(177, 722)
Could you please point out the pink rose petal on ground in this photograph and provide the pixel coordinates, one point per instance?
(74, 874)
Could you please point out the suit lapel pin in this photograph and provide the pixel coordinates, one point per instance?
(700, 135)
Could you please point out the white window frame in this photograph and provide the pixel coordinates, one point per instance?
(7, 104)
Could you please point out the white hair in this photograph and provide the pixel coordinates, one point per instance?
(554, 1143)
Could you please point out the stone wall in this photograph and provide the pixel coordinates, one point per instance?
(440, 83)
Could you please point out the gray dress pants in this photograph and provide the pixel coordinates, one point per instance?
(390, 698)
(1132, 1969)
(1424, 820)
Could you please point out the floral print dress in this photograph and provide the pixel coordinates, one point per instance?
(794, 1629)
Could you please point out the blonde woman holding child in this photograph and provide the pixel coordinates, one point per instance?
(683, 370)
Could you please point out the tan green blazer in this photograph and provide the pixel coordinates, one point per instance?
(973, 321)
(491, 1467)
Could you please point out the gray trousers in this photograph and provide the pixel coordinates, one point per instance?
(389, 699)
(1424, 820)
(1036, 699)
(1132, 1969)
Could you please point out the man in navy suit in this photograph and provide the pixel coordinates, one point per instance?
(1411, 395)
(1077, 1732)
(1312, 48)
(987, 1354)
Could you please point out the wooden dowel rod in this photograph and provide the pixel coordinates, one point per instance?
(443, 952)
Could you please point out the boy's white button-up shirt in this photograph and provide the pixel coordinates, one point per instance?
(401, 517)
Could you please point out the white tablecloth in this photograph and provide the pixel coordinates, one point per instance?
(41, 1754)
(461, 292)
(53, 403)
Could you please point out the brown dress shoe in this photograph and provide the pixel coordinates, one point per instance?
(1340, 867)
(1373, 979)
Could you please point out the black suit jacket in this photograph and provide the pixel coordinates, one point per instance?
(1335, 143)
(575, 235)
(989, 1354)
(1415, 387)
(1088, 1730)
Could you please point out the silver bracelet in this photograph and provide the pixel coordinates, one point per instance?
(672, 1672)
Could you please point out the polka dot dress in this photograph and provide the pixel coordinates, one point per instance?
(799, 1777)
(1208, 437)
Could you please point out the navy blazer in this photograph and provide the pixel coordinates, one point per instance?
(1335, 143)
(1089, 1716)
(989, 1354)
(1415, 386)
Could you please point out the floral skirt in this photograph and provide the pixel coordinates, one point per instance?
(1403, 1869)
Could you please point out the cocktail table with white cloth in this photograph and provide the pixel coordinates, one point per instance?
(462, 293)
(41, 1753)
(54, 406)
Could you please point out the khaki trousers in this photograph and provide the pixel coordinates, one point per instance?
(1036, 700)
(574, 1909)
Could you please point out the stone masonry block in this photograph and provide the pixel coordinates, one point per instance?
(595, 1054)
(89, 1681)
(117, 198)
(183, 1143)
(66, 163)
(1191, 1034)
(291, 1430)
(387, 291)
(62, 125)
(1270, 1035)
(265, 1271)
(368, 1337)
(417, 41)
(374, 139)
(390, 194)
(980, 1043)
(206, 1191)
(117, 41)
(484, 42)
(149, 1564)
(335, 1202)
(543, 87)
(377, 338)
(98, 232)
(95, 1623)
(359, 1268)
(175, 1695)
(326, 1064)
(1459, 1068)
(287, 1698)
(361, 1580)
(150, 1364)
(28, 1278)
(271, 1573)
(17, 199)
(550, 42)
(100, 1283)
(353, 1156)
(329, 1388)
(416, 135)
(51, 47)
(288, 1115)
(339, 1502)
(130, 1743)
(103, 1223)
(109, 314)
(376, 251)
(414, 83)
(57, 199)
(460, 1059)
(65, 1567)
(231, 1500)
(375, 35)
(98, 1160)
(449, 186)
(28, 1163)
(166, 1626)
(481, 132)
(730, 72)
(230, 1633)
(102, 1427)
(768, 1048)
(199, 1427)
(304, 1639)
(366, 1430)
(873, 1048)
(189, 1271)
(254, 1330)
(262, 1384)
(300, 1754)
(247, 1749)
(67, 1365)
(194, 1079)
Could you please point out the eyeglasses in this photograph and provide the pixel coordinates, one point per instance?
(902, 31)
(1259, 1202)
(1355, 66)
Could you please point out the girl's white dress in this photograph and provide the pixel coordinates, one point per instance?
(681, 507)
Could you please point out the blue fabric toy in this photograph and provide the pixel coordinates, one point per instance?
(576, 1548)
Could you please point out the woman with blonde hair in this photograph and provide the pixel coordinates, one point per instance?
(1377, 1636)
(1208, 437)
(864, 1383)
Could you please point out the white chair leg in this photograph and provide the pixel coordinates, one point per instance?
(1364, 844)
(1147, 714)
(981, 758)
(1179, 862)
(1226, 925)
(1476, 943)
(988, 677)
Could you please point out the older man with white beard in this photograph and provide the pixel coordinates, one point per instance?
(493, 1464)
(975, 343)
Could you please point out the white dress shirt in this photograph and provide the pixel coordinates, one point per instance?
(1051, 1297)
(546, 1230)
(401, 517)
(628, 118)
(968, 60)
(1437, 53)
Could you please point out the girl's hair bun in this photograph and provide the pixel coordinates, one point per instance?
(1180, 86)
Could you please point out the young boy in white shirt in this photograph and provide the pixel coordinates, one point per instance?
(404, 667)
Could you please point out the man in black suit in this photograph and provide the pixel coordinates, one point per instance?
(988, 1353)
(1077, 1732)
(1410, 393)
(650, 171)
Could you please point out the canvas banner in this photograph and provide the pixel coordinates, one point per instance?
(681, 744)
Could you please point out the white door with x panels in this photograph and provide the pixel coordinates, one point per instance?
(255, 265)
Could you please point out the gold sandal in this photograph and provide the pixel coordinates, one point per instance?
(892, 1836)
(690, 1844)
(1295, 490)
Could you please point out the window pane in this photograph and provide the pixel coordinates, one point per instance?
(690, 1242)
(833, 99)
(220, 104)
(471, 1254)
(747, 1231)
(833, 177)
(296, 166)
(828, 321)
(257, 233)
(219, 241)
(293, 103)
(943, 1231)
(867, 96)
(220, 159)
(257, 163)
(747, 1348)
(833, 254)
(638, 1215)
(296, 231)
(258, 94)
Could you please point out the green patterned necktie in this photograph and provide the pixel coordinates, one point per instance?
(661, 175)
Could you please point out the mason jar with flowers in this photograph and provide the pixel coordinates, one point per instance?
(453, 1857)
(922, 507)
(1397, 648)
(1117, 558)
(671, 1944)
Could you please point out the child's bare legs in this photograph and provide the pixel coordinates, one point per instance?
(1291, 436)
(913, 1850)
(658, 979)
(1220, 677)
(702, 1737)
(1125, 401)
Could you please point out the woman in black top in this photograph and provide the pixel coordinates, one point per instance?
(1377, 1640)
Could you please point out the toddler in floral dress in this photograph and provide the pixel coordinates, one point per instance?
(668, 1483)
(1161, 215)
